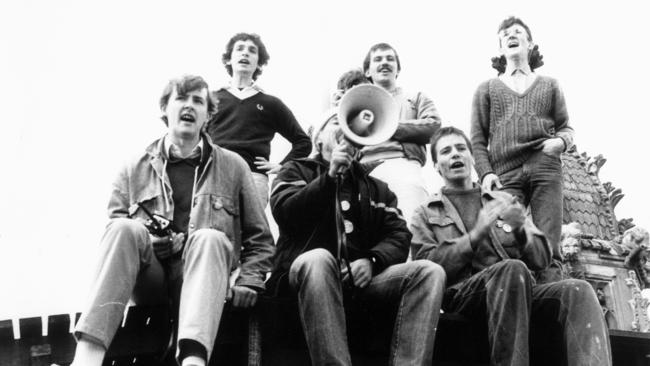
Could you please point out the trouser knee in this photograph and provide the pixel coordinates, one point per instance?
(429, 273)
(209, 241)
(124, 231)
(316, 263)
(511, 267)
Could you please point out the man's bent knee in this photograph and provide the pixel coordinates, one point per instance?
(127, 226)
(430, 270)
(209, 240)
(512, 268)
(315, 261)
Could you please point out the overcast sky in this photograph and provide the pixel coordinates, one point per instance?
(82, 81)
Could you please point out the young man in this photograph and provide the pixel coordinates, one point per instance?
(217, 221)
(519, 128)
(248, 118)
(375, 241)
(488, 249)
(398, 161)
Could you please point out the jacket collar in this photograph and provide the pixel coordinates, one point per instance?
(437, 197)
(440, 200)
(158, 156)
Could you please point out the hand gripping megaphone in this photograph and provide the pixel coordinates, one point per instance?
(368, 115)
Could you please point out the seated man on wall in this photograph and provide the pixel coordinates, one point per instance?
(216, 219)
(488, 249)
(364, 254)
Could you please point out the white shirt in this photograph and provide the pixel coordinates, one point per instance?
(244, 93)
(518, 79)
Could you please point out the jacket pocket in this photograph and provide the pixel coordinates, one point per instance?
(224, 215)
(443, 226)
(154, 203)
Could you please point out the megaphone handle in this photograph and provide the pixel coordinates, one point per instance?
(341, 245)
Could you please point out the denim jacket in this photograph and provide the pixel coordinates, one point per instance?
(440, 236)
(225, 199)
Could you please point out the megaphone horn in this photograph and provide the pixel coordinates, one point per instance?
(368, 114)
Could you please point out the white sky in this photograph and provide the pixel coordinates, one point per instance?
(81, 82)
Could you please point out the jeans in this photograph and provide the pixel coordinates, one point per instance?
(416, 286)
(262, 186)
(538, 184)
(129, 269)
(404, 178)
(506, 297)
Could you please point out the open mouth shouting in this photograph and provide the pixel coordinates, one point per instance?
(457, 165)
(244, 61)
(187, 116)
(385, 69)
(513, 43)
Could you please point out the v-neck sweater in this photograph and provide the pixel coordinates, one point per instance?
(247, 126)
(507, 127)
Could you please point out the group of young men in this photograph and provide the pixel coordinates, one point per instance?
(190, 210)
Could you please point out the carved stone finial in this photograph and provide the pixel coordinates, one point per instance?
(594, 164)
(570, 241)
(625, 224)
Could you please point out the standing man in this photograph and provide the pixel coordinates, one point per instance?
(307, 203)
(248, 118)
(488, 249)
(216, 221)
(519, 128)
(399, 160)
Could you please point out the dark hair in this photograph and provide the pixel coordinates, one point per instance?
(510, 21)
(534, 57)
(351, 78)
(184, 85)
(380, 46)
(446, 131)
(262, 53)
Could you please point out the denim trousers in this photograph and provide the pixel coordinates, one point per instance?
(262, 185)
(404, 178)
(506, 297)
(416, 286)
(128, 269)
(538, 184)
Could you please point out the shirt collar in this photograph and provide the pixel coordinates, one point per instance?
(512, 71)
(170, 150)
(244, 93)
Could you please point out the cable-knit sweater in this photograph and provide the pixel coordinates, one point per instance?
(506, 126)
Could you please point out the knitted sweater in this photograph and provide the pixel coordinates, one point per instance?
(507, 127)
(247, 127)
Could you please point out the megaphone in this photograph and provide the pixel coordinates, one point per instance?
(368, 114)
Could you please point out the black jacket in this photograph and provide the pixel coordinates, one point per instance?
(302, 202)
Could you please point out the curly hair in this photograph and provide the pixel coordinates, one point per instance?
(351, 78)
(535, 60)
(184, 85)
(263, 54)
(534, 57)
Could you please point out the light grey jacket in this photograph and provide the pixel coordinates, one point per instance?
(225, 199)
